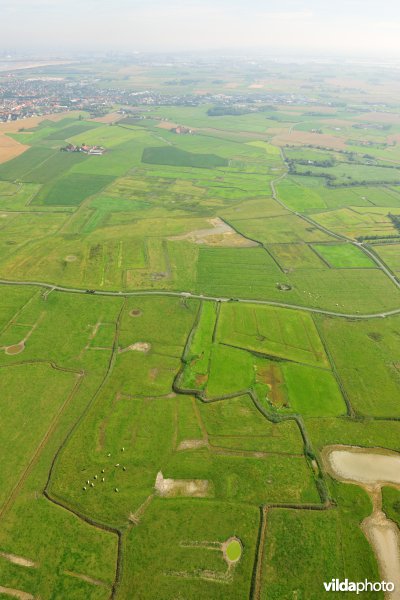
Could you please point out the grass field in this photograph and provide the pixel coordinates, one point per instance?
(344, 256)
(71, 189)
(162, 446)
(180, 158)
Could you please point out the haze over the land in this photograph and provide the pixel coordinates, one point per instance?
(357, 27)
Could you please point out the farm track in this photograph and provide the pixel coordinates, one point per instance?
(188, 295)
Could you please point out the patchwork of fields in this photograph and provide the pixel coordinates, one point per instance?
(186, 321)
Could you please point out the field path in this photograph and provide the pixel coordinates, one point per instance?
(319, 311)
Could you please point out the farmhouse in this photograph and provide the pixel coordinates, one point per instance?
(93, 150)
(181, 130)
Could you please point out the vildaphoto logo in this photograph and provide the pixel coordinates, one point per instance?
(335, 585)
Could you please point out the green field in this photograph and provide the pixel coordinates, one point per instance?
(344, 256)
(187, 321)
(175, 157)
(71, 189)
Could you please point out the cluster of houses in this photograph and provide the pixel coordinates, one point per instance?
(181, 130)
(93, 150)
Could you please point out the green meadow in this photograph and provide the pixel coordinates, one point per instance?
(184, 327)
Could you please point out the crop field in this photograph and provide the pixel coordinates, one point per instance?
(187, 321)
(71, 189)
(181, 158)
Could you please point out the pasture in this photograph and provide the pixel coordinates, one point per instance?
(344, 256)
(172, 445)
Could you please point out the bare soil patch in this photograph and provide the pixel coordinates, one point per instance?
(221, 235)
(201, 379)
(31, 122)
(371, 468)
(153, 373)
(384, 537)
(10, 148)
(191, 444)
(367, 466)
(168, 125)
(16, 349)
(189, 488)
(272, 376)
(71, 258)
(18, 560)
(16, 593)
(135, 312)
(110, 118)
(138, 347)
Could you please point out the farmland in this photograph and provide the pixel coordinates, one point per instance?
(187, 319)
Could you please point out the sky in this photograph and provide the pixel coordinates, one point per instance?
(316, 27)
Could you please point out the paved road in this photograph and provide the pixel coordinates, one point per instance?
(59, 288)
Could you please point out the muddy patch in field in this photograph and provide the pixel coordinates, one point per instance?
(370, 468)
(153, 373)
(201, 379)
(192, 444)
(18, 560)
(137, 347)
(384, 537)
(16, 593)
(135, 312)
(109, 118)
(15, 349)
(220, 234)
(187, 488)
(272, 376)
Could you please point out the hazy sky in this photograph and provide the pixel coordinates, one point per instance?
(347, 26)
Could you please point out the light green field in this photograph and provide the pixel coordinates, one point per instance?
(272, 332)
(344, 256)
(372, 390)
(359, 222)
(390, 253)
